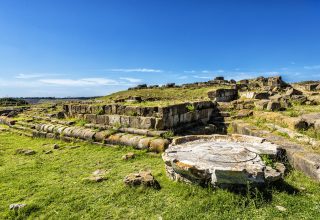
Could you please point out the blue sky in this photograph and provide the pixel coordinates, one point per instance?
(95, 47)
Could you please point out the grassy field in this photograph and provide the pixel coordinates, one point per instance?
(163, 96)
(53, 187)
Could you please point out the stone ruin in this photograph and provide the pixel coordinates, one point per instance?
(152, 128)
(221, 160)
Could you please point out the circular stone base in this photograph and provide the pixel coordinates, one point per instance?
(218, 159)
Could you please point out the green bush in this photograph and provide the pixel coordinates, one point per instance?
(190, 107)
(168, 134)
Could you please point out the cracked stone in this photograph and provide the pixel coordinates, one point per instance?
(220, 160)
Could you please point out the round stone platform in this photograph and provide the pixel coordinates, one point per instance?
(219, 159)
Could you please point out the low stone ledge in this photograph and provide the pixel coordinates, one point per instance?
(299, 158)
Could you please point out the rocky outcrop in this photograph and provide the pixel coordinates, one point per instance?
(144, 178)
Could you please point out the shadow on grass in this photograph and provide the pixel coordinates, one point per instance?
(263, 193)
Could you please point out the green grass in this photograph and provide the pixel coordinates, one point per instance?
(53, 188)
(162, 96)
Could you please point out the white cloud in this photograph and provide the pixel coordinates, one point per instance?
(315, 67)
(35, 75)
(142, 70)
(28, 76)
(80, 82)
(189, 71)
(202, 77)
(206, 71)
(220, 71)
(182, 77)
(132, 80)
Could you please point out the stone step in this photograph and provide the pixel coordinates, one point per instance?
(217, 119)
(224, 114)
(16, 131)
(22, 128)
(221, 124)
(300, 158)
(25, 124)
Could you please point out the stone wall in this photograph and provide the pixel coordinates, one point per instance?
(142, 117)
(223, 95)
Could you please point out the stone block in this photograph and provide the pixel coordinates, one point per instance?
(159, 145)
(262, 104)
(223, 95)
(144, 143)
(134, 121)
(91, 118)
(273, 106)
(101, 119)
(114, 120)
(125, 121)
(147, 122)
(108, 109)
(159, 124)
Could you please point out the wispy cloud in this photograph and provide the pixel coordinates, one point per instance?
(28, 76)
(202, 77)
(35, 75)
(132, 80)
(189, 71)
(141, 70)
(315, 67)
(182, 77)
(80, 82)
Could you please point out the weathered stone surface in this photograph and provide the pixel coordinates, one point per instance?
(298, 157)
(220, 160)
(158, 145)
(244, 113)
(97, 176)
(311, 118)
(17, 206)
(281, 208)
(7, 121)
(296, 135)
(300, 99)
(280, 167)
(102, 135)
(223, 95)
(262, 104)
(56, 146)
(144, 178)
(128, 156)
(317, 125)
(271, 174)
(293, 91)
(261, 95)
(25, 151)
(273, 106)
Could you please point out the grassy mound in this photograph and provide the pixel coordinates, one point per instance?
(162, 96)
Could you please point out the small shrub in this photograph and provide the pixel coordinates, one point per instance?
(190, 108)
(100, 112)
(132, 113)
(168, 134)
(260, 122)
(268, 161)
(230, 130)
(117, 125)
(81, 122)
